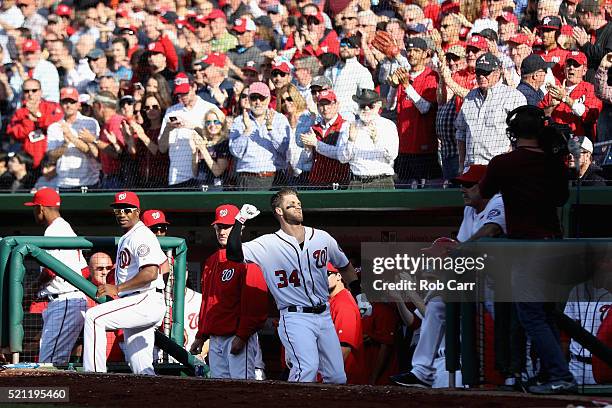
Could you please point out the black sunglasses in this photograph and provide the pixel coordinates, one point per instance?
(573, 64)
(68, 102)
(244, 95)
(159, 228)
(279, 73)
(481, 72)
(257, 97)
(25, 91)
(151, 107)
(288, 99)
(367, 105)
(349, 18)
(348, 44)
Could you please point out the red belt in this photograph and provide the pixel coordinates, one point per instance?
(261, 174)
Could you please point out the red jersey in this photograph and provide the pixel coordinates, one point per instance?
(234, 298)
(466, 79)
(33, 134)
(112, 165)
(328, 44)
(417, 131)
(326, 171)
(601, 371)
(583, 125)
(380, 327)
(556, 55)
(347, 321)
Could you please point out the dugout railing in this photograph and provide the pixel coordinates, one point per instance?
(464, 333)
(14, 250)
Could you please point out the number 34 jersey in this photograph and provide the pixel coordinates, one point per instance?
(296, 274)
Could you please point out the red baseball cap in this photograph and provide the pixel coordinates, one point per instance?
(69, 92)
(259, 88)
(130, 29)
(181, 83)
(478, 41)
(216, 13)
(332, 268)
(156, 47)
(318, 16)
(250, 66)
(63, 10)
(567, 30)
(46, 197)
(577, 56)
(473, 175)
(183, 23)
(126, 199)
(327, 95)
(201, 19)
(282, 66)
(216, 58)
(244, 24)
(226, 214)
(449, 6)
(153, 217)
(520, 38)
(30, 46)
(508, 17)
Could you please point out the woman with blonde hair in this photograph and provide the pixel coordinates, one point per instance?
(211, 155)
(292, 104)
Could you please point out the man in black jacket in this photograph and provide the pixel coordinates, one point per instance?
(592, 19)
(590, 172)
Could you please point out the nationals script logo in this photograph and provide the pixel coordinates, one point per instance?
(155, 215)
(124, 258)
(122, 196)
(227, 274)
(223, 213)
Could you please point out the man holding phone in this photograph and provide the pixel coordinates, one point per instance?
(180, 125)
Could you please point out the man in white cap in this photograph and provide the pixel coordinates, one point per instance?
(588, 171)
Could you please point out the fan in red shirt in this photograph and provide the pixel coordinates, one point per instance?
(380, 357)
(347, 321)
(314, 39)
(574, 103)
(416, 117)
(29, 124)
(234, 306)
(601, 371)
(550, 29)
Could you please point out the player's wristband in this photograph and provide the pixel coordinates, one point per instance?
(355, 287)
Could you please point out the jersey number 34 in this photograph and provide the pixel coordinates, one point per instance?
(293, 278)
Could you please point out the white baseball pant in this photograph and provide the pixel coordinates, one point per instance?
(62, 324)
(138, 315)
(224, 364)
(430, 339)
(311, 346)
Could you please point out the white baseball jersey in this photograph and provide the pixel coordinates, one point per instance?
(296, 275)
(72, 258)
(137, 248)
(493, 213)
(193, 300)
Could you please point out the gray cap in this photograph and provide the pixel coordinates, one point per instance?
(95, 54)
(321, 81)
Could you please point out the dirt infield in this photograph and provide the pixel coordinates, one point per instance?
(95, 390)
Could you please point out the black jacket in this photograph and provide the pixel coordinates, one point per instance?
(595, 52)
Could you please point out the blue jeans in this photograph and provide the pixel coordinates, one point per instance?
(537, 320)
(111, 182)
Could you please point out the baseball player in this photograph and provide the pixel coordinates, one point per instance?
(139, 286)
(234, 307)
(294, 263)
(156, 221)
(63, 318)
(347, 321)
(481, 218)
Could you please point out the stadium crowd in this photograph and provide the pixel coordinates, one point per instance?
(237, 94)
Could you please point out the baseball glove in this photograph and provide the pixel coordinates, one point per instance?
(384, 43)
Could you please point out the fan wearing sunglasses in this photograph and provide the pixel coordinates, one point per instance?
(259, 141)
(574, 102)
(211, 156)
(348, 76)
(370, 146)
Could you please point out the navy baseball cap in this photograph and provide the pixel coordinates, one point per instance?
(487, 62)
(416, 42)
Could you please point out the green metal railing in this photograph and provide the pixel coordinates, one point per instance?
(13, 250)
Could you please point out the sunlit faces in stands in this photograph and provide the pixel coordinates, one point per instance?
(100, 265)
(449, 29)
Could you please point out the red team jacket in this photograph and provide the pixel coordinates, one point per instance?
(380, 327)
(347, 321)
(33, 135)
(601, 371)
(417, 132)
(556, 55)
(581, 125)
(326, 171)
(234, 298)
